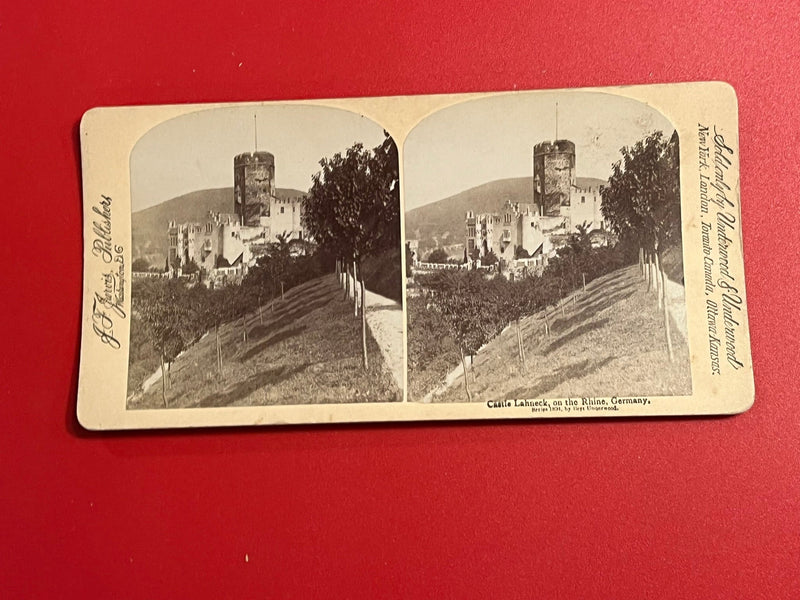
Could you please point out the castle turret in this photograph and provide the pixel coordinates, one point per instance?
(553, 176)
(253, 186)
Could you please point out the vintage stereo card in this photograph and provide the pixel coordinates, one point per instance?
(537, 254)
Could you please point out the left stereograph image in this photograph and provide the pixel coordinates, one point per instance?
(266, 260)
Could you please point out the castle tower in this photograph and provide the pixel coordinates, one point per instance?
(253, 186)
(553, 176)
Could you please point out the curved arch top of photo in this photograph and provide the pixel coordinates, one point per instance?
(525, 215)
(243, 232)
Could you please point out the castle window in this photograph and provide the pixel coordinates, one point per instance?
(282, 209)
(583, 199)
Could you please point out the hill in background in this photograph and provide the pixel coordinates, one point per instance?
(441, 223)
(149, 226)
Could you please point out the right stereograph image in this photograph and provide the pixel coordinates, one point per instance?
(544, 256)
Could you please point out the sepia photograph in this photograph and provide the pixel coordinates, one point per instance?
(544, 254)
(266, 260)
(533, 254)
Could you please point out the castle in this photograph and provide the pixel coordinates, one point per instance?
(227, 244)
(533, 232)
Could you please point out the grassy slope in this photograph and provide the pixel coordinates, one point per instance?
(441, 223)
(610, 343)
(149, 226)
(307, 351)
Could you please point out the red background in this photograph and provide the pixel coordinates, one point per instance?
(677, 508)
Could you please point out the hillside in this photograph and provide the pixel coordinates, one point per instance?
(301, 350)
(149, 226)
(606, 341)
(441, 223)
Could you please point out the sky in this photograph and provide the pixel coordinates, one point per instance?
(492, 138)
(195, 151)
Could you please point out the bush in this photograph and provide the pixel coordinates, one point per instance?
(490, 258)
(140, 265)
(438, 256)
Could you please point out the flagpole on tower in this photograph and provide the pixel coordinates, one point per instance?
(556, 121)
(255, 133)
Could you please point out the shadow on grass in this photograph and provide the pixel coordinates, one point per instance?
(259, 332)
(297, 310)
(294, 298)
(249, 385)
(575, 333)
(587, 308)
(549, 382)
(596, 305)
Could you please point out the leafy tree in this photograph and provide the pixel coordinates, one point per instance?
(353, 207)
(168, 324)
(218, 309)
(140, 265)
(272, 268)
(438, 256)
(190, 267)
(242, 300)
(466, 302)
(490, 258)
(642, 201)
(517, 299)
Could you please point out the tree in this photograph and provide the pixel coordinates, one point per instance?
(490, 258)
(218, 309)
(272, 269)
(168, 321)
(140, 265)
(517, 299)
(466, 301)
(353, 208)
(242, 302)
(642, 200)
(438, 256)
(520, 252)
(190, 267)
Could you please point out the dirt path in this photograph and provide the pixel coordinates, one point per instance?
(676, 303)
(385, 322)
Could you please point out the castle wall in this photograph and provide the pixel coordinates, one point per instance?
(200, 242)
(585, 207)
(285, 217)
(530, 233)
